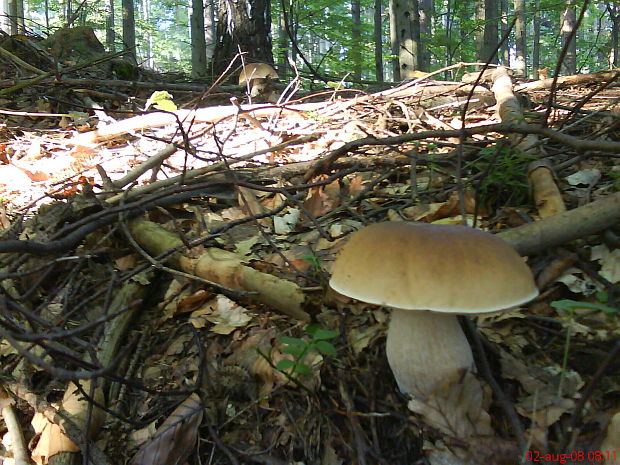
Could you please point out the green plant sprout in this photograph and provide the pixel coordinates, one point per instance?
(569, 307)
(615, 179)
(317, 271)
(503, 175)
(314, 261)
(301, 348)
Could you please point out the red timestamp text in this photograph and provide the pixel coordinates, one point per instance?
(574, 456)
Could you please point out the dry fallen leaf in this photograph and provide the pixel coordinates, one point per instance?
(610, 262)
(52, 439)
(578, 282)
(487, 451)
(458, 410)
(436, 211)
(175, 439)
(543, 418)
(322, 199)
(223, 312)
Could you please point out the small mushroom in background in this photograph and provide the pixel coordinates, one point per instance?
(427, 275)
(259, 77)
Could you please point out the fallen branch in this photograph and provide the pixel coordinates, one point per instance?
(223, 268)
(546, 194)
(564, 227)
(565, 81)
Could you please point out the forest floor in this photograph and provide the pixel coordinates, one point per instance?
(175, 266)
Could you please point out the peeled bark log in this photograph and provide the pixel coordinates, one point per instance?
(546, 193)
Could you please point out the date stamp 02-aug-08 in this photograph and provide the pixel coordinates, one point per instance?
(577, 456)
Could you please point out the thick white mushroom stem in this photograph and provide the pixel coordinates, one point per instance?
(426, 350)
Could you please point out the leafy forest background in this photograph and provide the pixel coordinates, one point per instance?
(362, 40)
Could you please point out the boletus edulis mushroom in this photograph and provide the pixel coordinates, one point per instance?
(259, 78)
(428, 274)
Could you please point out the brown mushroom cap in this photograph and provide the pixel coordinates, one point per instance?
(443, 269)
(419, 266)
(256, 71)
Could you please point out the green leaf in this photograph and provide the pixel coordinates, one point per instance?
(326, 348)
(302, 369)
(285, 365)
(602, 296)
(565, 305)
(571, 305)
(322, 334)
(319, 333)
(312, 329)
(293, 341)
(293, 350)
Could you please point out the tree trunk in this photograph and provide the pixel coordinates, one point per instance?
(199, 44)
(243, 25)
(209, 15)
(536, 37)
(283, 43)
(487, 32)
(407, 19)
(505, 48)
(394, 40)
(68, 10)
(569, 65)
(21, 26)
(356, 40)
(426, 31)
(146, 44)
(449, 26)
(615, 27)
(464, 33)
(378, 35)
(13, 17)
(601, 23)
(110, 34)
(520, 36)
(129, 28)
(5, 24)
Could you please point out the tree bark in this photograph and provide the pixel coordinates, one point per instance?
(209, 15)
(129, 27)
(536, 35)
(283, 43)
(487, 32)
(110, 34)
(13, 17)
(569, 65)
(356, 40)
(520, 36)
(612, 9)
(426, 30)
(378, 36)
(243, 25)
(407, 23)
(505, 48)
(199, 44)
(394, 40)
